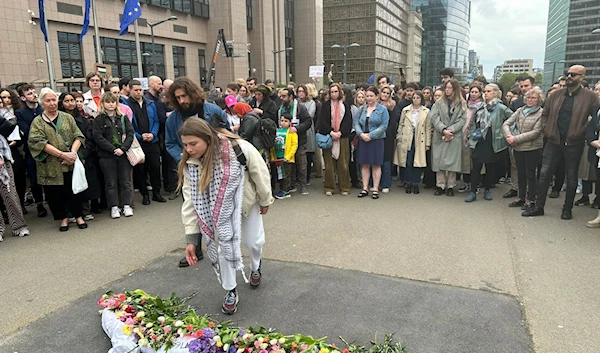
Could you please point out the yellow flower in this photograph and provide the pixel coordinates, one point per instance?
(219, 344)
(127, 329)
(324, 350)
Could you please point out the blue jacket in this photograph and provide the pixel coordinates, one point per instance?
(152, 119)
(25, 117)
(174, 122)
(378, 122)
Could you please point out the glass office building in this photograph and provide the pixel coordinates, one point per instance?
(556, 41)
(446, 35)
(583, 47)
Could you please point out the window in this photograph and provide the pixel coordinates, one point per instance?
(288, 7)
(179, 61)
(202, 62)
(122, 56)
(148, 64)
(249, 24)
(71, 61)
(182, 5)
(201, 8)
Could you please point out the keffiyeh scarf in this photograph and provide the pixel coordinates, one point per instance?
(219, 207)
(6, 157)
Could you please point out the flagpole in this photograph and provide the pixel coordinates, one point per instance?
(96, 34)
(138, 49)
(49, 59)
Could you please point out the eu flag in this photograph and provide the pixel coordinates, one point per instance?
(43, 19)
(131, 12)
(86, 20)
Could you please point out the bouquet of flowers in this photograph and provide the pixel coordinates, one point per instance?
(140, 322)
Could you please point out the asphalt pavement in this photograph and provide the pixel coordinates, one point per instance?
(444, 275)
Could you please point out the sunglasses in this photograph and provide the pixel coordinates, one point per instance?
(572, 74)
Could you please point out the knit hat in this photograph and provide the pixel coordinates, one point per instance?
(241, 109)
(230, 100)
(265, 90)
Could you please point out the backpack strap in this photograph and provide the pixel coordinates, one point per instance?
(241, 157)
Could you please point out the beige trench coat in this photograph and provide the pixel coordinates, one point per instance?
(404, 137)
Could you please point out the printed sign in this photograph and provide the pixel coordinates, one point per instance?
(316, 71)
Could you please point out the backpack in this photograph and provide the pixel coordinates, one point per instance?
(268, 132)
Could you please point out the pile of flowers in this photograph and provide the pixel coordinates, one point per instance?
(161, 323)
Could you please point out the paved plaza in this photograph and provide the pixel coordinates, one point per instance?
(443, 275)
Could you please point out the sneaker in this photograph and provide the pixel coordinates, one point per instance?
(293, 189)
(1, 239)
(23, 232)
(517, 203)
(487, 195)
(149, 188)
(471, 197)
(255, 277)
(127, 211)
(583, 201)
(510, 194)
(72, 220)
(282, 195)
(303, 190)
(385, 190)
(554, 194)
(88, 217)
(230, 303)
(465, 188)
(114, 212)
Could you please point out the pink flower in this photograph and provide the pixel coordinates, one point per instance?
(167, 329)
(122, 297)
(304, 347)
(256, 344)
(189, 327)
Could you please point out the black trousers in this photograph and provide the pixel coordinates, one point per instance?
(151, 166)
(527, 162)
(488, 179)
(559, 174)
(168, 166)
(551, 156)
(61, 199)
(19, 169)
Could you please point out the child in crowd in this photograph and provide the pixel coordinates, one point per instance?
(282, 155)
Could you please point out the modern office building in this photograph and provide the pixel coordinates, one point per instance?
(446, 35)
(183, 47)
(384, 32)
(583, 47)
(556, 41)
(517, 66)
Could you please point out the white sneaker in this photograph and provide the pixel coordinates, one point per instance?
(114, 212)
(127, 211)
(23, 232)
(72, 220)
(385, 190)
(1, 239)
(88, 217)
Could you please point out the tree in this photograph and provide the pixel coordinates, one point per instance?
(539, 77)
(507, 81)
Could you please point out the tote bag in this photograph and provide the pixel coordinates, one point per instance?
(135, 154)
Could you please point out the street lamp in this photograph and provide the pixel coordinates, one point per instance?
(554, 67)
(596, 31)
(345, 48)
(275, 59)
(151, 25)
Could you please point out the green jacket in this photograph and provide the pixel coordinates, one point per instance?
(49, 168)
(498, 116)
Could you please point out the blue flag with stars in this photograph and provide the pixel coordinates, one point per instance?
(131, 12)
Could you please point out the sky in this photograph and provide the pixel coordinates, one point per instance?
(508, 29)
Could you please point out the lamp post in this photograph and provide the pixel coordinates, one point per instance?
(596, 31)
(554, 67)
(151, 25)
(275, 52)
(345, 48)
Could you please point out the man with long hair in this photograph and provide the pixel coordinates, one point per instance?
(188, 100)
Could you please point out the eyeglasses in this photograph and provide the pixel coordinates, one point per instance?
(572, 74)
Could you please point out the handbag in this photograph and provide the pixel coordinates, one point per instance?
(135, 154)
(514, 128)
(476, 134)
(325, 142)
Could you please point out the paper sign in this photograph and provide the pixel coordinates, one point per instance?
(316, 71)
(144, 81)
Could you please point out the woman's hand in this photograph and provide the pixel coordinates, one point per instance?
(595, 144)
(68, 157)
(2, 164)
(448, 134)
(258, 111)
(264, 210)
(510, 140)
(190, 254)
(335, 135)
(12, 143)
(236, 127)
(365, 137)
(118, 152)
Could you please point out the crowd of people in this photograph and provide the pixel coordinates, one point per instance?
(230, 153)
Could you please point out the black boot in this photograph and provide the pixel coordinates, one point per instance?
(146, 200)
(415, 189)
(439, 192)
(408, 188)
(156, 196)
(41, 210)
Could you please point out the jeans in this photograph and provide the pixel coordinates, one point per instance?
(412, 174)
(559, 175)
(386, 175)
(527, 162)
(488, 178)
(117, 171)
(151, 166)
(551, 157)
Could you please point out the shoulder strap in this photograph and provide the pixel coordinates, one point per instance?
(241, 157)
(123, 124)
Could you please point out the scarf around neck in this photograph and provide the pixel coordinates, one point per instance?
(529, 110)
(291, 109)
(219, 207)
(484, 120)
(336, 120)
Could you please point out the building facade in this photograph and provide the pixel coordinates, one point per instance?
(380, 27)
(183, 47)
(556, 41)
(583, 47)
(447, 28)
(517, 66)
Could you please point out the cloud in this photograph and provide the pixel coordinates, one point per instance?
(508, 29)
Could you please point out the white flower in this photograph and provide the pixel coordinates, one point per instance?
(226, 347)
(148, 325)
(217, 338)
(161, 319)
(282, 341)
(143, 342)
(245, 337)
(178, 323)
(180, 331)
(273, 342)
(240, 350)
(264, 346)
(260, 339)
(140, 314)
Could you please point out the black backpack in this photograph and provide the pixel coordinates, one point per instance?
(268, 132)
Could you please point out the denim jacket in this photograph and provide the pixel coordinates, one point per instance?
(378, 122)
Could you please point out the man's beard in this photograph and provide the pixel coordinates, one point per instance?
(571, 83)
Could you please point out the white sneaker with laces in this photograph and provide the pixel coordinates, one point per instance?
(127, 211)
(114, 212)
(23, 232)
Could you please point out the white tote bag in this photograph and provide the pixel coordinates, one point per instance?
(79, 182)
